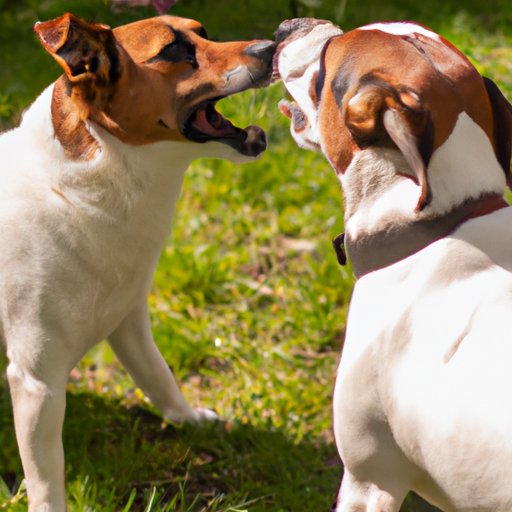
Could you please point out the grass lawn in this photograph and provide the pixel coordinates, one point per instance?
(248, 304)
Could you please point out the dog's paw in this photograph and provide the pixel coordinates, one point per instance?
(197, 415)
(203, 414)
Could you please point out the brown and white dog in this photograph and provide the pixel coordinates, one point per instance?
(421, 145)
(88, 186)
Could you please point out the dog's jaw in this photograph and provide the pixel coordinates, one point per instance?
(300, 43)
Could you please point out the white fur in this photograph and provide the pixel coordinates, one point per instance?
(401, 29)
(366, 207)
(79, 243)
(308, 50)
(422, 388)
(309, 137)
(308, 47)
(455, 171)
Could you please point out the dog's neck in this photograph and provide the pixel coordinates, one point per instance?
(382, 225)
(74, 108)
(118, 180)
(373, 251)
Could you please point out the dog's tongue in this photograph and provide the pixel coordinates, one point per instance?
(201, 123)
(208, 121)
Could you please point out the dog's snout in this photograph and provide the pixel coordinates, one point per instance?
(263, 50)
(297, 27)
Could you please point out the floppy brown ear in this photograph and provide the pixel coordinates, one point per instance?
(378, 114)
(502, 113)
(84, 50)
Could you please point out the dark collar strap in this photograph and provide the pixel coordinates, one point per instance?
(339, 248)
(383, 249)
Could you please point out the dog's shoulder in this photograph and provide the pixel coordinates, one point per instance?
(480, 247)
(491, 235)
(28, 149)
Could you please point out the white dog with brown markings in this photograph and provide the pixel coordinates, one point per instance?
(421, 145)
(88, 187)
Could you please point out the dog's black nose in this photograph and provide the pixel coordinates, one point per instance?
(263, 50)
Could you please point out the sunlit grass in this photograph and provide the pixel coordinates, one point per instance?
(248, 304)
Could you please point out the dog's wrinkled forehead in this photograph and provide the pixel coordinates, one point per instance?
(300, 42)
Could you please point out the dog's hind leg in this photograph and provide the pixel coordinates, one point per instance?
(39, 403)
(133, 344)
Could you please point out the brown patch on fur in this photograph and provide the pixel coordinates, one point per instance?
(313, 90)
(338, 144)
(413, 73)
(69, 125)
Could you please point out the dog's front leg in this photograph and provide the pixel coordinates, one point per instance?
(377, 475)
(39, 404)
(133, 344)
(356, 496)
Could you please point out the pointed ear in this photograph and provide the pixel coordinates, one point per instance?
(502, 113)
(378, 114)
(86, 51)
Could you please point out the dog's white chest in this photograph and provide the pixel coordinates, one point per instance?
(81, 239)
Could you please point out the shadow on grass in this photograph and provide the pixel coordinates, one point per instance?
(116, 456)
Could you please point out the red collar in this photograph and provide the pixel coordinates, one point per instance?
(488, 204)
(379, 251)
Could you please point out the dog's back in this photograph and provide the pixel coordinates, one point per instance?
(433, 344)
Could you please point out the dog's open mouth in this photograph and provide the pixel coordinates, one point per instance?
(205, 124)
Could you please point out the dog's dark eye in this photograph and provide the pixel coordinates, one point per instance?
(169, 52)
(179, 50)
